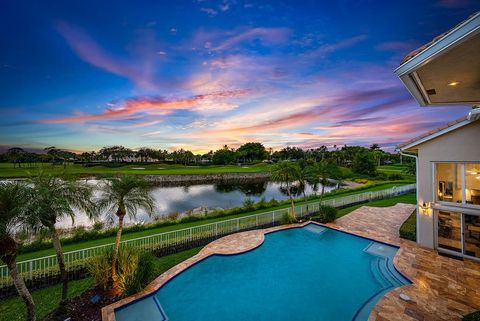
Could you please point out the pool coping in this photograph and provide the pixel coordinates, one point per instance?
(108, 312)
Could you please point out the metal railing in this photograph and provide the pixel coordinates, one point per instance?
(44, 270)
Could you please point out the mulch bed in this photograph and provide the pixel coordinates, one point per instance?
(81, 308)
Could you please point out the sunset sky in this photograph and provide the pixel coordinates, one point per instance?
(199, 74)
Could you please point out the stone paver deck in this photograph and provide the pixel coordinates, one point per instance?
(442, 289)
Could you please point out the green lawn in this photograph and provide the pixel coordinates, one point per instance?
(409, 198)
(7, 170)
(47, 299)
(127, 236)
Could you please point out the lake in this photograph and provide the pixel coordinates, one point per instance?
(188, 197)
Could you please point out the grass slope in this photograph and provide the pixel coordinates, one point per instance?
(47, 299)
(7, 170)
(409, 198)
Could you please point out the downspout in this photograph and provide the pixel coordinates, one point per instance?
(417, 189)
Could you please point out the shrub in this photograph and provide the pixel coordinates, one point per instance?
(98, 226)
(134, 269)
(326, 214)
(190, 218)
(248, 205)
(99, 268)
(395, 177)
(381, 176)
(288, 218)
(173, 216)
(408, 230)
(261, 204)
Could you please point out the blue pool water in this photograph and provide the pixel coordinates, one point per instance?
(310, 273)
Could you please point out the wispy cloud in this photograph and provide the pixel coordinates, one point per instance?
(154, 105)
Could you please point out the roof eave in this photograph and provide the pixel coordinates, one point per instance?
(406, 71)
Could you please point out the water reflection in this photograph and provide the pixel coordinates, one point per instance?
(184, 198)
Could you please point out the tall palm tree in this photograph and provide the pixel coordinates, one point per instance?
(55, 198)
(13, 197)
(123, 196)
(286, 173)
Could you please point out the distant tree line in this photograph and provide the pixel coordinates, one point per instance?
(361, 158)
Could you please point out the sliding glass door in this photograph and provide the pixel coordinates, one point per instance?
(472, 235)
(458, 233)
(449, 231)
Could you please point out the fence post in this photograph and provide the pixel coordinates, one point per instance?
(216, 230)
(238, 224)
(256, 220)
(273, 218)
(30, 273)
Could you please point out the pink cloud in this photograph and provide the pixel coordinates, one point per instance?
(156, 105)
(327, 49)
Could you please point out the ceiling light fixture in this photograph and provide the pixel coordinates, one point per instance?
(453, 83)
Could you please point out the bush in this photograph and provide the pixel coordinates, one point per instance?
(381, 176)
(475, 316)
(408, 230)
(173, 216)
(99, 268)
(248, 205)
(288, 218)
(395, 177)
(326, 214)
(134, 269)
(98, 226)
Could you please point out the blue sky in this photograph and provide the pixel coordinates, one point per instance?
(200, 74)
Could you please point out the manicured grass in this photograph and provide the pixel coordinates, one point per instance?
(7, 170)
(408, 230)
(409, 198)
(106, 240)
(47, 299)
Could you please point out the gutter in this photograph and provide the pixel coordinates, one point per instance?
(417, 190)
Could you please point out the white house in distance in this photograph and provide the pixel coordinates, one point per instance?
(446, 71)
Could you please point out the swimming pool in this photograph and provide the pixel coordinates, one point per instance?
(309, 273)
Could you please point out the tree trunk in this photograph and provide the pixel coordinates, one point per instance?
(21, 287)
(121, 215)
(61, 262)
(323, 192)
(291, 201)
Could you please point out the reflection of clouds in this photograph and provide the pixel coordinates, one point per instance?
(183, 198)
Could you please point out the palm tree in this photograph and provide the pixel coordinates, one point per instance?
(124, 196)
(13, 197)
(55, 198)
(325, 170)
(286, 172)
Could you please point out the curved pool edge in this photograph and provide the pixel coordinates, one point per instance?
(231, 246)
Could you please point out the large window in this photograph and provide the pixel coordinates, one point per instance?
(472, 184)
(458, 183)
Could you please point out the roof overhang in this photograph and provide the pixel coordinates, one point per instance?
(447, 70)
(412, 144)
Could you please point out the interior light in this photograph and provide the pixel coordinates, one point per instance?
(453, 83)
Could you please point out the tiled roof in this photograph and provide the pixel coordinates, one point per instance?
(425, 46)
(433, 131)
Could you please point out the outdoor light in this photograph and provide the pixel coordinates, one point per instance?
(424, 207)
(453, 83)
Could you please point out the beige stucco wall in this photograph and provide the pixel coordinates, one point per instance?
(460, 145)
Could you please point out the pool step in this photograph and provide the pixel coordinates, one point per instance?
(146, 309)
(316, 229)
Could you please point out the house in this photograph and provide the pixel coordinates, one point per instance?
(446, 71)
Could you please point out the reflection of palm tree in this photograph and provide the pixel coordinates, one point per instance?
(13, 197)
(286, 173)
(124, 196)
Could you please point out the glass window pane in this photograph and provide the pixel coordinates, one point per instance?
(449, 231)
(472, 235)
(449, 182)
(472, 183)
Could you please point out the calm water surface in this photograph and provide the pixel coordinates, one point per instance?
(184, 198)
